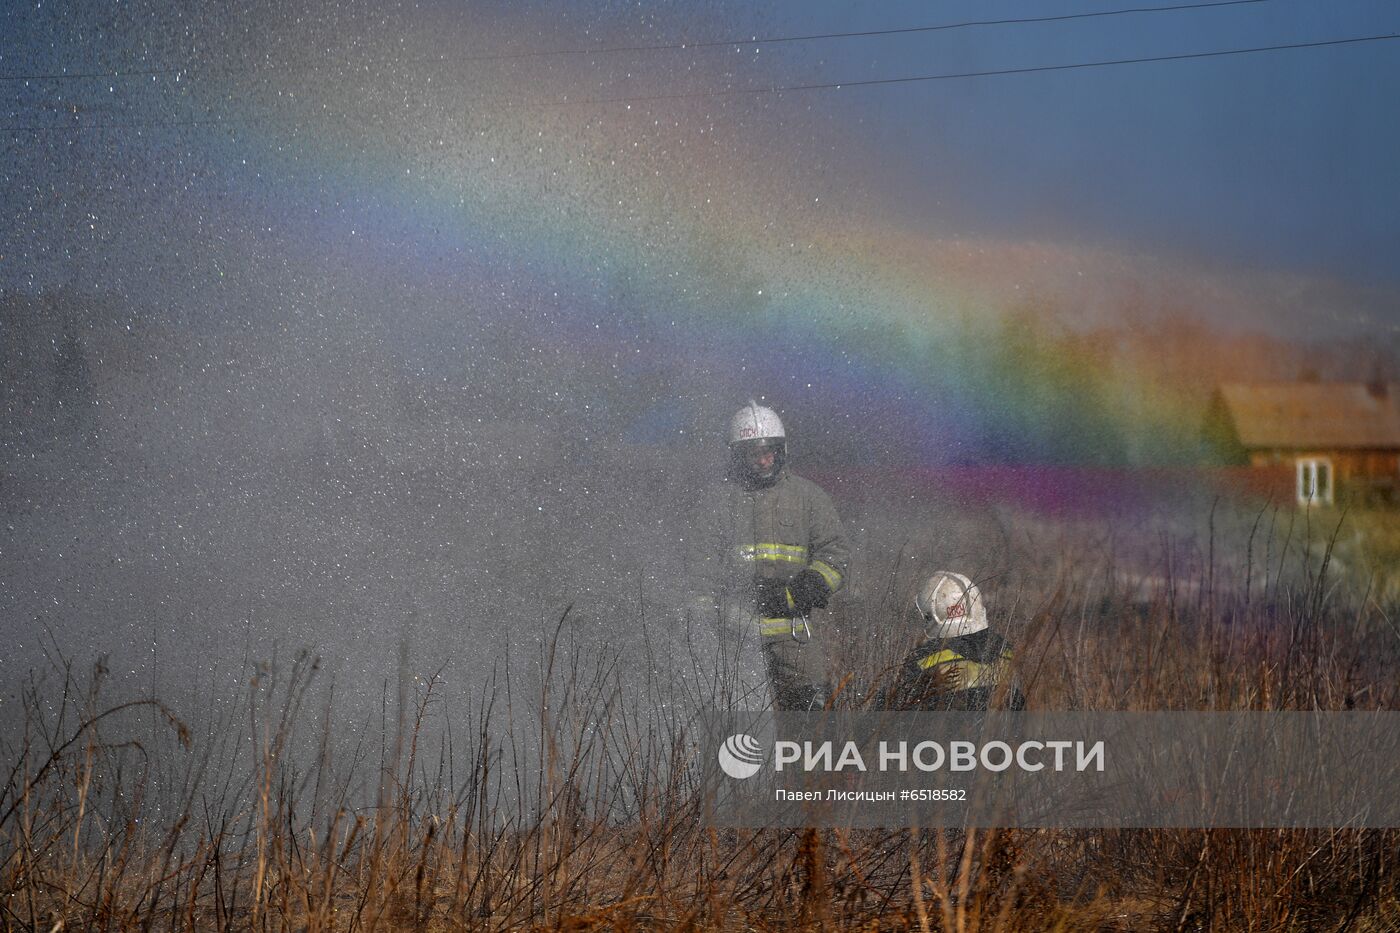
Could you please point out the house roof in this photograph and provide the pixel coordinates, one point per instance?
(1297, 415)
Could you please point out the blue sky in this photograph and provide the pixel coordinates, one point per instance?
(1283, 158)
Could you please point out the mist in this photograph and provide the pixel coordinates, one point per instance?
(322, 337)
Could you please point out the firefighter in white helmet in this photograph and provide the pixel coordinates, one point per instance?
(961, 664)
(781, 553)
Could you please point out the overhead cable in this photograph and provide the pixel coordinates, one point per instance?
(776, 89)
(614, 49)
(948, 76)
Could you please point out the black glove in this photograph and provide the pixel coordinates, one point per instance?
(772, 599)
(809, 591)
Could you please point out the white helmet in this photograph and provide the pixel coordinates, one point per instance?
(752, 431)
(950, 604)
(754, 422)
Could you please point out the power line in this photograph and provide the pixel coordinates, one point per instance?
(772, 40)
(1186, 56)
(837, 85)
(674, 46)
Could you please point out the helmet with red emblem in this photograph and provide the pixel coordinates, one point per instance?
(950, 605)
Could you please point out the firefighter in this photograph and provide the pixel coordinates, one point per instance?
(961, 664)
(778, 553)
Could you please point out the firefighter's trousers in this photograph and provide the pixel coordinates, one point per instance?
(745, 661)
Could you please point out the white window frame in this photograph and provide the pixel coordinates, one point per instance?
(1310, 491)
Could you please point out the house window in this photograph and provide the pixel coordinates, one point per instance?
(1315, 481)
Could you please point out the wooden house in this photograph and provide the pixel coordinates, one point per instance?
(1331, 437)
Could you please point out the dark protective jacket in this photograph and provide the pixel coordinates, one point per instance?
(771, 533)
(969, 672)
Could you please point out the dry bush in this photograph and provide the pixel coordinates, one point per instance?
(583, 813)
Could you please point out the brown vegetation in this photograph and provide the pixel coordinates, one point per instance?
(100, 832)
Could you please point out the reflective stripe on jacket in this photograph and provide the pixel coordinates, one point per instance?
(960, 673)
(774, 533)
(969, 672)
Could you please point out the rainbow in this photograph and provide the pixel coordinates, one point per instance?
(702, 238)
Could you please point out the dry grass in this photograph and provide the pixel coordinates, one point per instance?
(590, 821)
